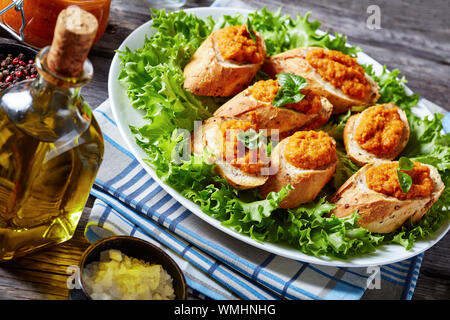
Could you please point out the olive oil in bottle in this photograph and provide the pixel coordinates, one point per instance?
(50, 143)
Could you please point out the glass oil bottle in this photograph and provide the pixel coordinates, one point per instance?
(51, 148)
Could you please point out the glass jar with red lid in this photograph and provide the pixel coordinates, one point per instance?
(33, 21)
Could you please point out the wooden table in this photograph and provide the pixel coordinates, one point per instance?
(414, 37)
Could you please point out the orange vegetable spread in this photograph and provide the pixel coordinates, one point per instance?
(236, 44)
(310, 149)
(235, 152)
(341, 70)
(266, 90)
(379, 131)
(383, 178)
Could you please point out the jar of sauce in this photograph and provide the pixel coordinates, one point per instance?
(41, 15)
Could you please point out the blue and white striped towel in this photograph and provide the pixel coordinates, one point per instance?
(215, 264)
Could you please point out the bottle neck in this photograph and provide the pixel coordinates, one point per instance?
(57, 80)
(52, 92)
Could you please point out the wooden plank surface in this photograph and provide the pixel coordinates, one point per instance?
(414, 37)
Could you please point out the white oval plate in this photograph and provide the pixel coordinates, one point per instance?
(126, 115)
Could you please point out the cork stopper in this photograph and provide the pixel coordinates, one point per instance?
(75, 32)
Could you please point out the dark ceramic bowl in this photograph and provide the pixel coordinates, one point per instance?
(136, 248)
(15, 49)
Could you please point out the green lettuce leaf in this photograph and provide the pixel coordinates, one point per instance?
(392, 88)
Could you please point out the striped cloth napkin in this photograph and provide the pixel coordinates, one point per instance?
(216, 265)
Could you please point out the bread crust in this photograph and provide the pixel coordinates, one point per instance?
(306, 183)
(294, 61)
(361, 156)
(270, 117)
(381, 213)
(209, 137)
(207, 74)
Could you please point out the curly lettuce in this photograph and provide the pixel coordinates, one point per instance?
(154, 79)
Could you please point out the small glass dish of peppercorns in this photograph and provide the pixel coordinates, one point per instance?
(16, 64)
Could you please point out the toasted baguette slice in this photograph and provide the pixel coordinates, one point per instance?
(208, 74)
(306, 183)
(270, 117)
(361, 156)
(294, 61)
(381, 213)
(209, 138)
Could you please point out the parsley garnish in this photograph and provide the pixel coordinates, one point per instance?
(404, 179)
(289, 92)
(251, 31)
